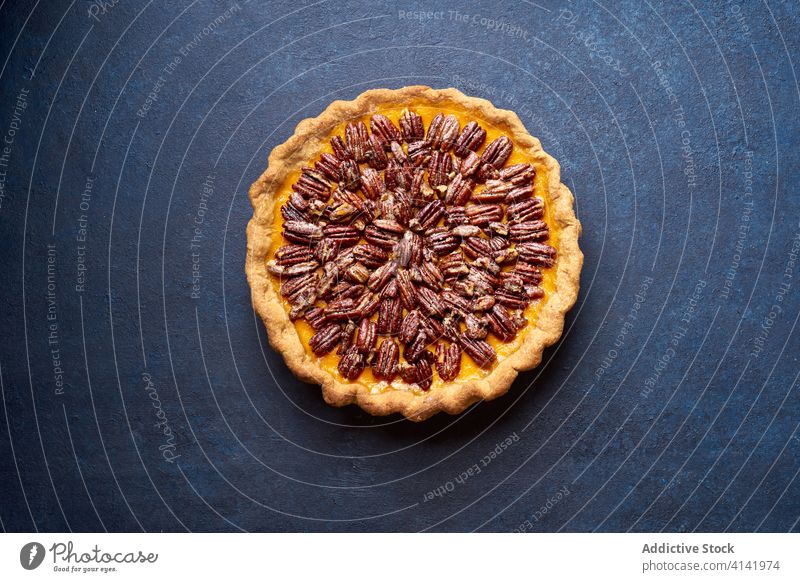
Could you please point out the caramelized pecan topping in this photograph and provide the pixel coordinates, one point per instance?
(406, 248)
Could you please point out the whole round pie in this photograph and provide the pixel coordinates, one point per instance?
(412, 250)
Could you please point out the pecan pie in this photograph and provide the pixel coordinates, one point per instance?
(412, 250)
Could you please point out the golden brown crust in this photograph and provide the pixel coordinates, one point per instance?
(308, 140)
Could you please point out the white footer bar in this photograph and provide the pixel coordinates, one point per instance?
(406, 557)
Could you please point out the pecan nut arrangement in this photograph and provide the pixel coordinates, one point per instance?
(412, 251)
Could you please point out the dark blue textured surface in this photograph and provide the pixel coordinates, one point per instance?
(676, 129)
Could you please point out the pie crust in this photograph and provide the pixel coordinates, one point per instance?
(545, 322)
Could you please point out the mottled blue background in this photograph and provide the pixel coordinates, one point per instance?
(677, 131)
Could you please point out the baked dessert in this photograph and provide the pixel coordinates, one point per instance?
(412, 250)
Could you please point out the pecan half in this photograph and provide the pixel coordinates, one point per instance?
(340, 212)
(501, 324)
(352, 363)
(326, 283)
(439, 168)
(537, 254)
(390, 291)
(386, 131)
(293, 254)
(370, 255)
(475, 247)
(419, 373)
(533, 292)
(409, 327)
(434, 137)
(530, 209)
(416, 348)
(398, 152)
(447, 135)
(453, 266)
(379, 237)
(528, 231)
(518, 173)
(371, 184)
(495, 191)
(512, 299)
(312, 184)
(292, 286)
(494, 156)
(325, 339)
(344, 235)
(411, 126)
(448, 361)
(371, 306)
(376, 156)
(429, 302)
(297, 206)
(471, 138)
(341, 291)
(349, 175)
(479, 350)
(409, 250)
(415, 192)
(315, 317)
(405, 289)
(459, 191)
(357, 273)
(428, 215)
(367, 336)
(463, 230)
(397, 175)
(456, 215)
(328, 166)
(482, 303)
(381, 276)
(475, 327)
(497, 152)
(301, 232)
(342, 310)
(340, 149)
(390, 226)
(357, 138)
(523, 192)
(442, 241)
(292, 270)
(294, 211)
(419, 152)
(428, 274)
(528, 273)
(390, 315)
(482, 214)
(470, 165)
(386, 361)
(347, 338)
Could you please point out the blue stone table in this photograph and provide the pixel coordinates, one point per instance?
(139, 390)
